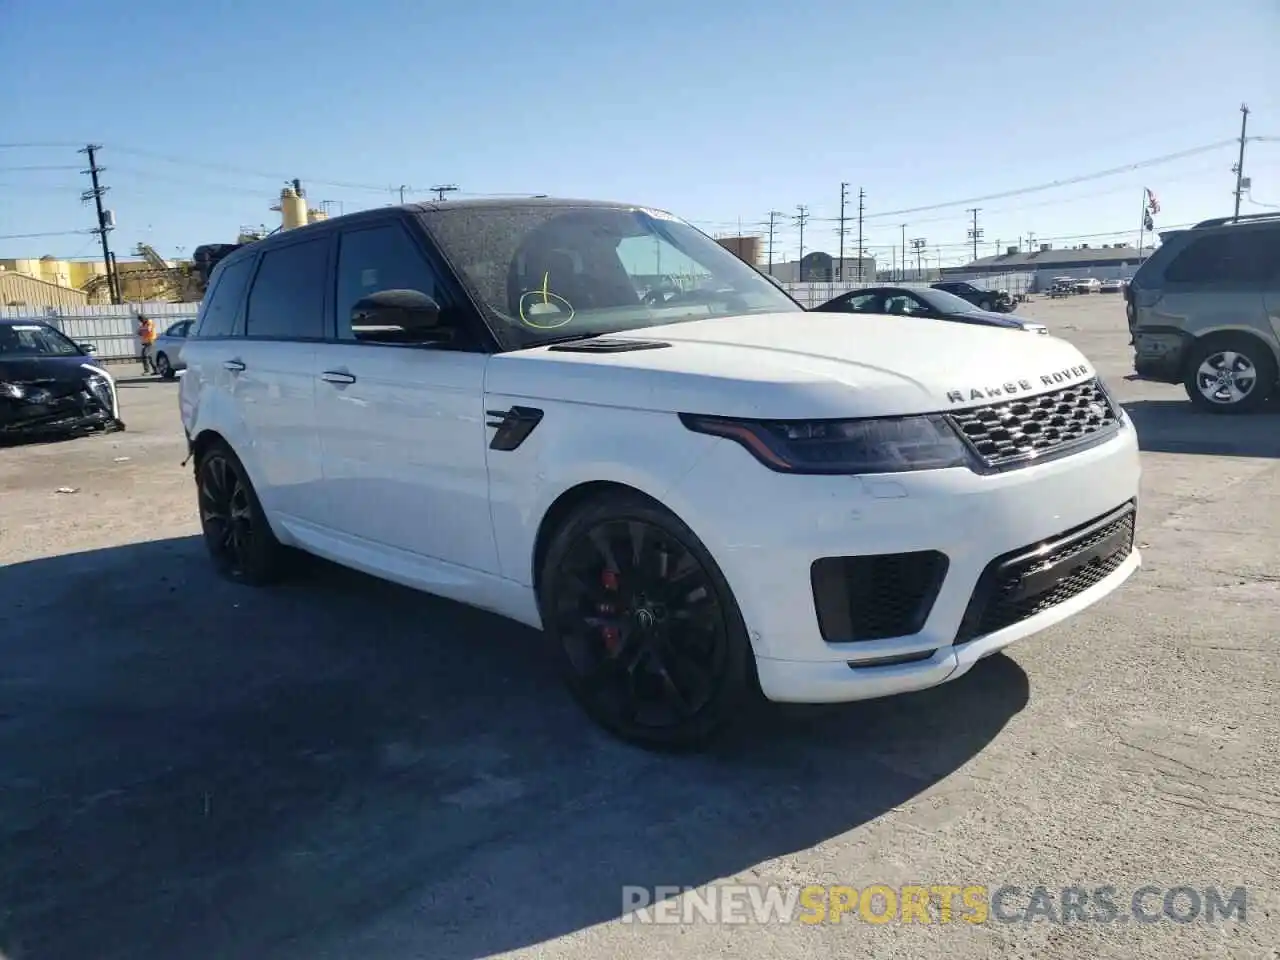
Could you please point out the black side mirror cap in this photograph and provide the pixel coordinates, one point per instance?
(406, 309)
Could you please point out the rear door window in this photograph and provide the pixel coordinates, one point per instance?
(1236, 256)
(287, 299)
(220, 312)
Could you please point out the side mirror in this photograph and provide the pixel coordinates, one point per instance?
(88, 348)
(398, 309)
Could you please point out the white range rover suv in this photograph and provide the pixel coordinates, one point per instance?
(593, 419)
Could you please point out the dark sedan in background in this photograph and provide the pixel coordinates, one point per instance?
(997, 301)
(50, 385)
(923, 302)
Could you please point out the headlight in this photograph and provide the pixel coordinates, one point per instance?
(14, 391)
(880, 445)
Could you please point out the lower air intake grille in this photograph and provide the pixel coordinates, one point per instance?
(1006, 434)
(876, 597)
(1023, 583)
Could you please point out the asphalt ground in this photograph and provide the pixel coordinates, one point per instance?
(338, 767)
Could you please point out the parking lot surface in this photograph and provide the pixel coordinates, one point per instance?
(343, 768)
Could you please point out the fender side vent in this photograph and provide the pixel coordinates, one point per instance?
(513, 426)
(608, 345)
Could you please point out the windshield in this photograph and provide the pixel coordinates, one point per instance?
(948, 302)
(33, 340)
(546, 272)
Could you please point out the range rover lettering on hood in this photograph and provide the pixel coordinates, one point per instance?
(1015, 388)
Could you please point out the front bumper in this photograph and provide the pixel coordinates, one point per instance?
(973, 521)
(69, 412)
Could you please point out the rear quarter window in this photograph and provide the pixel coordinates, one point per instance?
(1235, 256)
(222, 306)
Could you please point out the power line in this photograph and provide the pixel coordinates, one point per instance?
(39, 166)
(52, 233)
(36, 146)
(244, 171)
(1068, 181)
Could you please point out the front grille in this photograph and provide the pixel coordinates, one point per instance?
(876, 597)
(1025, 582)
(1019, 431)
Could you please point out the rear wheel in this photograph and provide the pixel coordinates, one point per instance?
(236, 531)
(651, 641)
(985, 305)
(1230, 374)
(164, 367)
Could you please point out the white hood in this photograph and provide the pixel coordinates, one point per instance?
(799, 365)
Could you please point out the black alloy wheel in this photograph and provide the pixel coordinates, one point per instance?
(652, 643)
(236, 531)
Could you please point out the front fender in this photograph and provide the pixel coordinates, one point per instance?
(576, 444)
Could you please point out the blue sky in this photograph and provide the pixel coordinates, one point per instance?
(720, 111)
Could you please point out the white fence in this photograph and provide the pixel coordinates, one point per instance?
(112, 329)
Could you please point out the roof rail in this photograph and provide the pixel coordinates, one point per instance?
(1220, 221)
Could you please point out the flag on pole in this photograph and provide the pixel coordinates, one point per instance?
(1153, 205)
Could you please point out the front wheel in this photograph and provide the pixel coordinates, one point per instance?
(164, 367)
(985, 305)
(651, 641)
(236, 532)
(1230, 374)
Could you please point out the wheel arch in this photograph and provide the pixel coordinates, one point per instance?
(563, 507)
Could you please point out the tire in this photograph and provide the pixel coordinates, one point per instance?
(1251, 365)
(654, 651)
(985, 305)
(236, 532)
(164, 367)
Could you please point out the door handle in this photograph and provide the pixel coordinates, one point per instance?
(235, 366)
(337, 376)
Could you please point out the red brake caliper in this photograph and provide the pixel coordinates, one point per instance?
(612, 638)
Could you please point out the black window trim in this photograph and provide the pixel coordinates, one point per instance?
(237, 321)
(309, 236)
(480, 338)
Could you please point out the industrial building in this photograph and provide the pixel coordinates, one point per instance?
(819, 267)
(1118, 261)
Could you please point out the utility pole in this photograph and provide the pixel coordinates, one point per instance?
(975, 234)
(1238, 169)
(104, 224)
(844, 196)
(862, 196)
(801, 218)
(403, 188)
(773, 222)
(918, 246)
(904, 251)
(1031, 242)
(440, 191)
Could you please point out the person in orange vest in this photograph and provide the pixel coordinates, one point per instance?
(147, 335)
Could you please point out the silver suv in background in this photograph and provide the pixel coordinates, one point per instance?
(1204, 311)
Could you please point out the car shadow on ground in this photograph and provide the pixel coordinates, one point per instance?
(1175, 426)
(191, 768)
